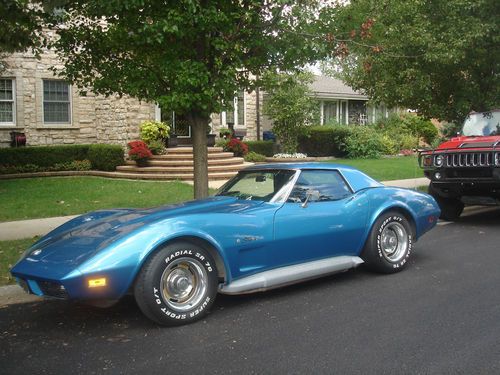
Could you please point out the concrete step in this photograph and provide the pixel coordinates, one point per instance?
(178, 169)
(170, 176)
(189, 150)
(174, 163)
(188, 156)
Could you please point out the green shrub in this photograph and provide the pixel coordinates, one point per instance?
(63, 157)
(105, 157)
(153, 131)
(261, 147)
(75, 165)
(254, 157)
(364, 142)
(408, 124)
(389, 145)
(222, 143)
(407, 141)
(43, 156)
(157, 147)
(324, 140)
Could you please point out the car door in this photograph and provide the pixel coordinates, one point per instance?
(329, 224)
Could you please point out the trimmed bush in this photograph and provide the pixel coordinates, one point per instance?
(261, 147)
(63, 157)
(324, 140)
(76, 165)
(43, 156)
(105, 157)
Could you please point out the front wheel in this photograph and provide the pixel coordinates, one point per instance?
(389, 244)
(177, 285)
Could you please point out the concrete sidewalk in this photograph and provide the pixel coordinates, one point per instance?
(15, 230)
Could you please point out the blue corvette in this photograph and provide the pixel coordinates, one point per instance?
(270, 226)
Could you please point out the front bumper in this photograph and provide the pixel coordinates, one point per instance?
(74, 286)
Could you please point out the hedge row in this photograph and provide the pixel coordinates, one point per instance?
(323, 141)
(266, 148)
(101, 157)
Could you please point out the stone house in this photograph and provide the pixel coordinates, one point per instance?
(50, 111)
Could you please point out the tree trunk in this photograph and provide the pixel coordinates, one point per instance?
(199, 126)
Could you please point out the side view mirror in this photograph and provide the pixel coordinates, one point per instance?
(311, 195)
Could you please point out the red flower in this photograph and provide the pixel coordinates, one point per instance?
(237, 147)
(138, 150)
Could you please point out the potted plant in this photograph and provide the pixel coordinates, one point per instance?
(225, 133)
(151, 131)
(139, 152)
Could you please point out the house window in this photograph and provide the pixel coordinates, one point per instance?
(330, 112)
(7, 102)
(56, 102)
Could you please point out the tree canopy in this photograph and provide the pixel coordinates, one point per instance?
(190, 56)
(440, 57)
(20, 29)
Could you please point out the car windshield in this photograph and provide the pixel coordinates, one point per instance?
(257, 185)
(482, 123)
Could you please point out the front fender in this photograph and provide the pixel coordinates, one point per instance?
(419, 206)
(122, 260)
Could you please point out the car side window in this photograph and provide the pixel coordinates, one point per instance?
(329, 183)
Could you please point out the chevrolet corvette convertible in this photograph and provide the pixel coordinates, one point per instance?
(270, 226)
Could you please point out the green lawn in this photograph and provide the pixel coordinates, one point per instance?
(28, 198)
(10, 252)
(385, 169)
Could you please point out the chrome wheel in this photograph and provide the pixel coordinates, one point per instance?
(394, 242)
(184, 284)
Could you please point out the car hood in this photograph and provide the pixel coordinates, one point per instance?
(68, 246)
(464, 142)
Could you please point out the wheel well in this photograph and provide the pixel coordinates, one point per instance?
(221, 270)
(406, 214)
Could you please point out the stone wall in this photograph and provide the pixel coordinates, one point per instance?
(94, 118)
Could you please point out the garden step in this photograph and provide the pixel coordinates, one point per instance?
(189, 156)
(182, 163)
(170, 176)
(178, 169)
(189, 150)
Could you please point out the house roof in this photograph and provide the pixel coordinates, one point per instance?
(333, 88)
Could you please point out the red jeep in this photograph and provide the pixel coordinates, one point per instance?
(466, 169)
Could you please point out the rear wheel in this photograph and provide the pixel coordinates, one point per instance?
(177, 285)
(389, 244)
(451, 208)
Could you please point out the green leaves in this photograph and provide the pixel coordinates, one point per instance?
(190, 55)
(290, 105)
(441, 57)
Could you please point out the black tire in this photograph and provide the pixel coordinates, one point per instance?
(177, 285)
(451, 208)
(389, 244)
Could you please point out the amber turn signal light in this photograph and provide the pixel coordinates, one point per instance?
(97, 283)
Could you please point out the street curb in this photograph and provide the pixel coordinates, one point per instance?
(13, 294)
